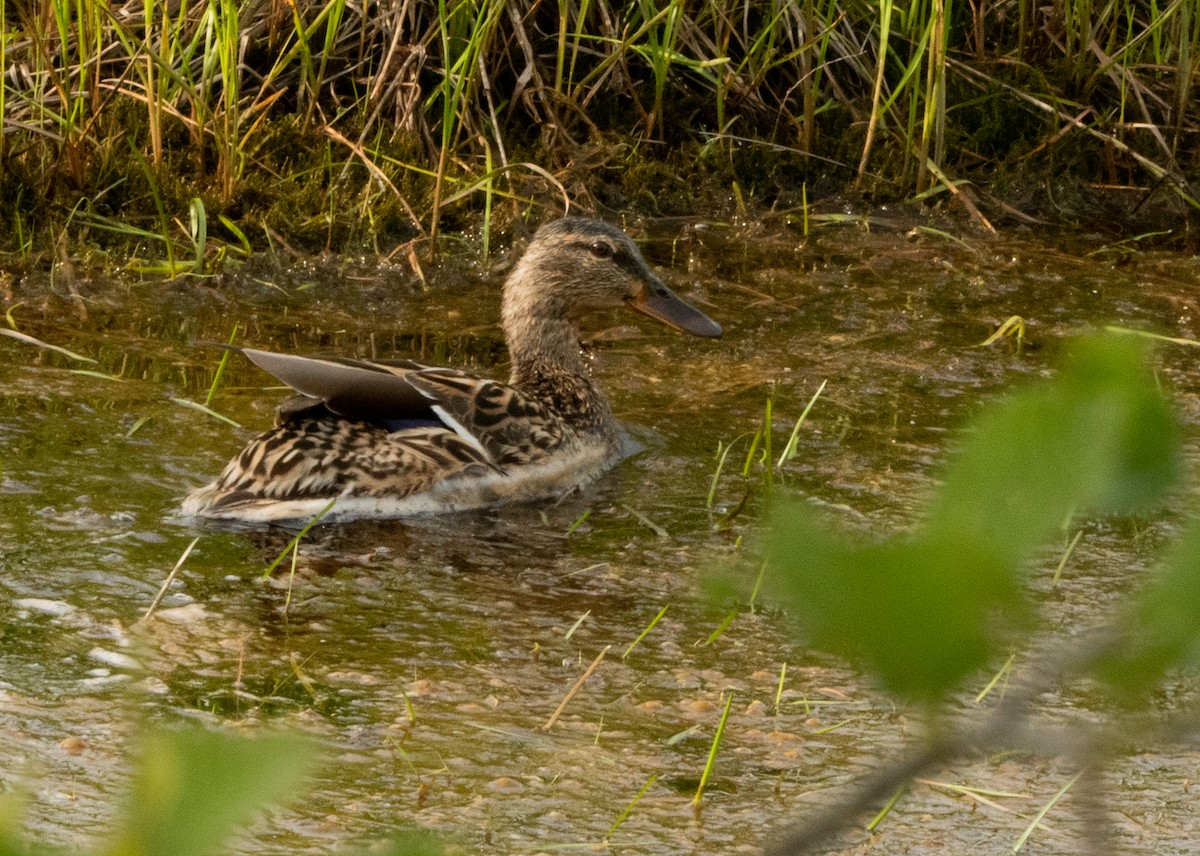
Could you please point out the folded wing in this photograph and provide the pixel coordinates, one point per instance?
(504, 426)
(355, 389)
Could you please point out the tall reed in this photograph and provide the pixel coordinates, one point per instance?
(423, 103)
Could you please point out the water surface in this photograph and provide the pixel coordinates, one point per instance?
(483, 622)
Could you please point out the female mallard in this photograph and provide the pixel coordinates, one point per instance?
(393, 438)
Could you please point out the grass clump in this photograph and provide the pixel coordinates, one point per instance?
(391, 118)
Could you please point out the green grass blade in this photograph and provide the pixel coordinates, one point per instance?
(643, 634)
(207, 411)
(789, 448)
(712, 753)
(1037, 818)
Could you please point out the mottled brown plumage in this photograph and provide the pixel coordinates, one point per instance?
(390, 439)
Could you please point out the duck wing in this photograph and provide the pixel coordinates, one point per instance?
(502, 424)
(509, 426)
(355, 389)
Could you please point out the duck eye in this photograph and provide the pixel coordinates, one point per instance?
(601, 250)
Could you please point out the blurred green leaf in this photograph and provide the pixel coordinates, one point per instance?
(12, 810)
(1099, 436)
(1160, 630)
(926, 609)
(921, 612)
(193, 788)
(408, 844)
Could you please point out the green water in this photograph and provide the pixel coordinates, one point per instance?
(483, 622)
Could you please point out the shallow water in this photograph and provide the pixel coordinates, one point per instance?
(483, 622)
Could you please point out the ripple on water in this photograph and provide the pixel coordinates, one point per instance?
(429, 655)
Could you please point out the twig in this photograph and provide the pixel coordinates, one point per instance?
(804, 837)
(167, 582)
(571, 692)
(1006, 727)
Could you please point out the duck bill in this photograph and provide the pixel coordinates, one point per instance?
(660, 303)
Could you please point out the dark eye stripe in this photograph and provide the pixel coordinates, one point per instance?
(633, 266)
(622, 259)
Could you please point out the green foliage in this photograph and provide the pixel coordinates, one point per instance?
(410, 844)
(193, 788)
(918, 611)
(927, 608)
(1160, 630)
(1098, 437)
(11, 805)
(196, 88)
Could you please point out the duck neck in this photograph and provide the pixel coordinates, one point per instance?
(548, 365)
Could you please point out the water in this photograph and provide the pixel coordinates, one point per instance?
(483, 622)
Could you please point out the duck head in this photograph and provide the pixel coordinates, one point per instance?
(574, 266)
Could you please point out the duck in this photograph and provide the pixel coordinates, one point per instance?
(379, 439)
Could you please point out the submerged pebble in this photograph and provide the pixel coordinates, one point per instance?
(103, 683)
(73, 745)
(505, 785)
(114, 658)
(188, 614)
